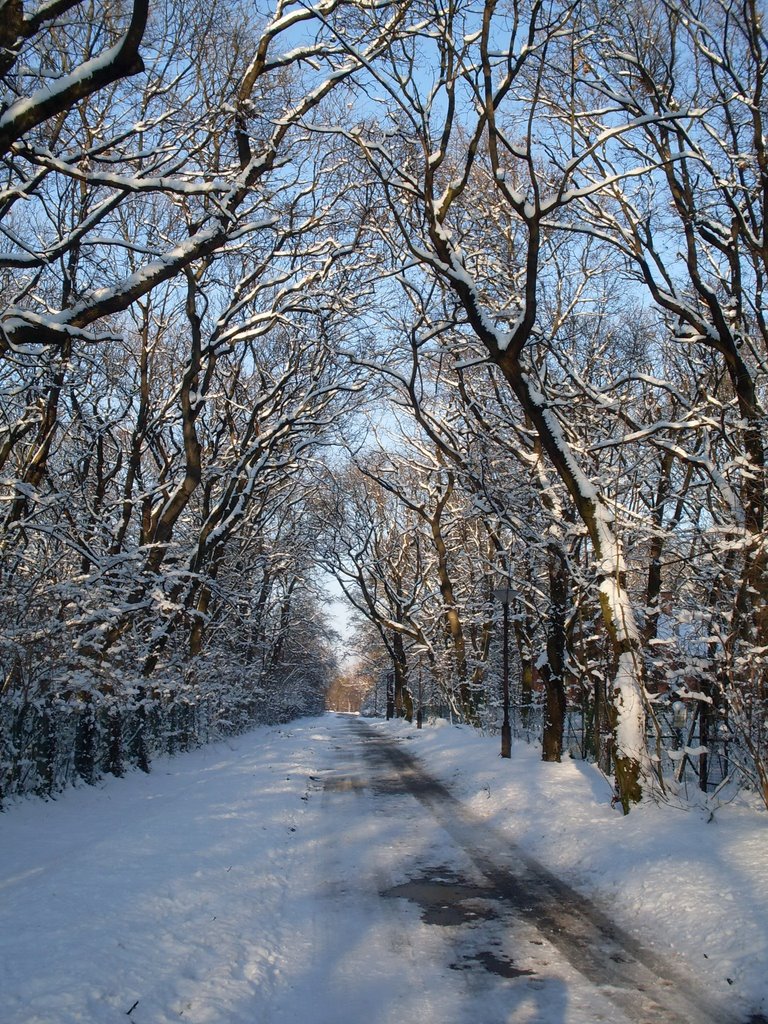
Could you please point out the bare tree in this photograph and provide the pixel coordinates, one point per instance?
(463, 172)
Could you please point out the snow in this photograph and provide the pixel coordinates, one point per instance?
(630, 724)
(241, 882)
(620, 605)
(22, 107)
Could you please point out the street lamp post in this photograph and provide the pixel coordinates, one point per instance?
(504, 595)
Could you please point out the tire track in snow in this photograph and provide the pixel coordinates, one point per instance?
(643, 985)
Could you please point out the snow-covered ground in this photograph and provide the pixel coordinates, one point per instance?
(242, 882)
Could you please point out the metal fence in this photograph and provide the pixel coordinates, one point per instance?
(691, 751)
(51, 743)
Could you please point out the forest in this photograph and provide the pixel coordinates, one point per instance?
(460, 301)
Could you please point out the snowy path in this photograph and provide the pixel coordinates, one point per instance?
(290, 877)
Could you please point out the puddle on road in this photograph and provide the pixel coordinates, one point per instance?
(448, 900)
(444, 903)
(493, 963)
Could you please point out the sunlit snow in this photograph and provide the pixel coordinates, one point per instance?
(242, 883)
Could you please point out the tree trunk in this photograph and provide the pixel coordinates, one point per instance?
(403, 698)
(506, 351)
(627, 690)
(554, 670)
(454, 628)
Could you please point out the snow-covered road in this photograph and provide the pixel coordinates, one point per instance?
(289, 876)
